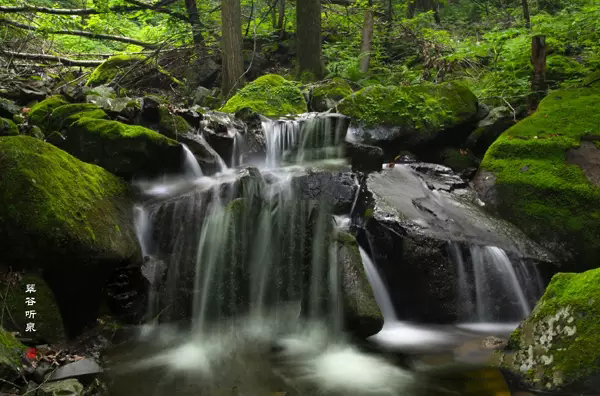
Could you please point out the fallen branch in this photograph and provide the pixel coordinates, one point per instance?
(97, 36)
(63, 61)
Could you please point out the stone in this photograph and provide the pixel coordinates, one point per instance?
(488, 129)
(203, 96)
(363, 157)
(337, 189)
(326, 95)
(81, 368)
(557, 348)
(71, 220)
(8, 108)
(10, 353)
(8, 128)
(68, 387)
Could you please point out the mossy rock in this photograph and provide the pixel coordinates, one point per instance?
(8, 128)
(458, 159)
(48, 321)
(560, 67)
(64, 116)
(70, 219)
(362, 313)
(558, 345)
(132, 71)
(10, 355)
(592, 80)
(172, 125)
(40, 113)
(325, 96)
(270, 95)
(8, 109)
(526, 175)
(124, 150)
(410, 116)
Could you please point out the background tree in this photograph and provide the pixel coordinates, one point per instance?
(308, 31)
(232, 74)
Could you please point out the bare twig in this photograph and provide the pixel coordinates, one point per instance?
(62, 60)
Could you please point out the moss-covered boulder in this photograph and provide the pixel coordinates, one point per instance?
(558, 346)
(326, 95)
(542, 175)
(8, 127)
(47, 318)
(71, 220)
(10, 353)
(362, 313)
(406, 117)
(132, 71)
(592, 80)
(40, 113)
(125, 150)
(64, 116)
(172, 125)
(270, 95)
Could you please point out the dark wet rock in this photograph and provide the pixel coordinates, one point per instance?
(8, 108)
(193, 116)
(255, 137)
(413, 212)
(326, 95)
(151, 109)
(224, 133)
(206, 97)
(68, 387)
(126, 291)
(459, 160)
(81, 368)
(489, 128)
(362, 314)
(8, 127)
(336, 189)
(41, 371)
(209, 160)
(364, 157)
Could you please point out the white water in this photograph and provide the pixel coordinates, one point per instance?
(191, 168)
(379, 289)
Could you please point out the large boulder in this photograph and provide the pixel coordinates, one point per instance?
(362, 314)
(543, 175)
(124, 150)
(40, 112)
(557, 348)
(270, 95)
(337, 189)
(70, 219)
(415, 216)
(498, 120)
(397, 118)
(326, 95)
(132, 71)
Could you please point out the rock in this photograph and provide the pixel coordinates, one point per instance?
(40, 113)
(255, 137)
(132, 71)
(326, 95)
(8, 109)
(362, 313)
(8, 128)
(69, 387)
(48, 321)
(203, 96)
(557, 348)
(172, 125)
(124, 150)
(225, 134)
(64, 116)
(70, 219)
(126, 107)
(364, 157)
(413, 214)
(209, 160)
(270, 95)
(41, 370)
(193, 116)
(151, 109)
(488, 129)
(10, 354)
(396, 118)
(337, 189)
(459, 160)
(534, 176)
(81, 368)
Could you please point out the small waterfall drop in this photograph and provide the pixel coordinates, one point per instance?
(191, 168)
(379, 288)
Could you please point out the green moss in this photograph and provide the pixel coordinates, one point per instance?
(592, 80)
(560, 67)
(131, 68)
(10, 352)
(8, 128)
(65, 116)
(559, 343)
(424, 108)
(270, 95)
(548, 198)
(40, 113)
(53, 201)
(172, 125)
(336, 89)
(458, 160)
(114, 130)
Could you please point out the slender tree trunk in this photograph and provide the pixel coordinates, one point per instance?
(232, 55)
(538, 79)
(526, 13)
(367, 39)
(194, 20)
(281, 20)
(424, 5)
(308, 25)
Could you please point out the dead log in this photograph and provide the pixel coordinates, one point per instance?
(60, 59)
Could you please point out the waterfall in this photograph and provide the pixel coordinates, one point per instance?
(191, 168)
(379, 288)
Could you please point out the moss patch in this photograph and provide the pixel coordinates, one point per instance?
(457, 159)
(40, 113)
(270, 95)
(65, 116)
(552, 201)
(10, 352)
(592, 80)
(559, 344)
(172, 125)
(560, 67)
(54, 203)
(8, 128)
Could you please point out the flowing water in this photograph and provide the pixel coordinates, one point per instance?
(245, 294)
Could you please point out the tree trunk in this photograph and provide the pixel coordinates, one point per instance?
(308, 25)
(526, 13)
(232, 55)
(538, 79)
(281, 20)
(424, 5)
(194, 20)
(367, 39)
